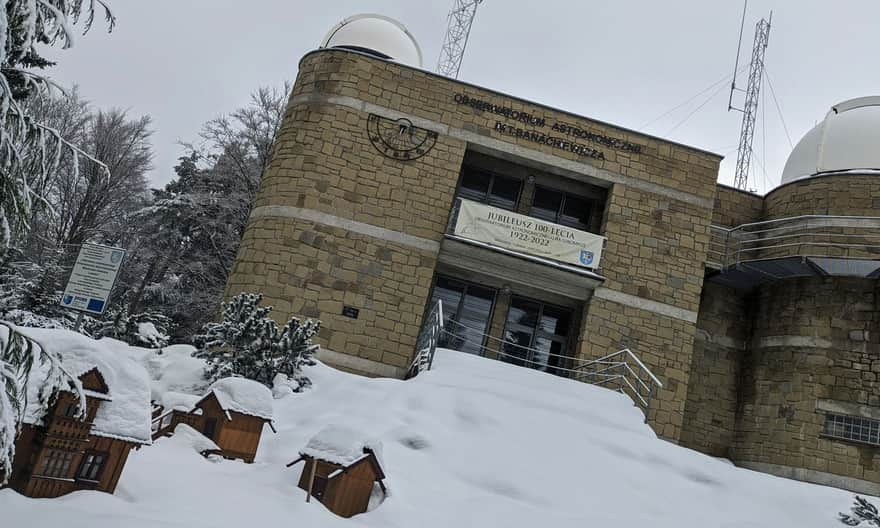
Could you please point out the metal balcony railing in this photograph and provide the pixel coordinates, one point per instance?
(847, 237)
(621, 371)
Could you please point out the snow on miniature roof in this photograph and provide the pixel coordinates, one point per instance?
(125, 412)
(340, 445)
(185, 434)
(243, 396)
(179, 401)
(844, 141)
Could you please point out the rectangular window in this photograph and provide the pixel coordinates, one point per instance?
(71, 410)
(56, 464)
(536, 335)
(561, 208)
(91, 467)
(855, 428)
(467, 309)
(489, 188)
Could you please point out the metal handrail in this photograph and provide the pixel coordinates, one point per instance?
(791, 236)
(426, 343)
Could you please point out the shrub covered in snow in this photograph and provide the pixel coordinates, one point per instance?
(249, 344)
(862, 512)
(148, 329)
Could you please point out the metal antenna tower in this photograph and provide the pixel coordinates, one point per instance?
(458, 30)
(750, 105)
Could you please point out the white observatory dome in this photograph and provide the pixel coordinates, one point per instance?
(377, 35)
(846, 140)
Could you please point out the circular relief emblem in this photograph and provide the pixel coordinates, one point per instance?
(399, 138)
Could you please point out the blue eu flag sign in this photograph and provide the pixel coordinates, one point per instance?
(586, 257)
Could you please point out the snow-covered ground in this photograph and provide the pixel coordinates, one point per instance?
(473, 442)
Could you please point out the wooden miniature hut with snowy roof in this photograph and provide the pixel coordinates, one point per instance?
(340, 470)
(232, 414)
(58, 450)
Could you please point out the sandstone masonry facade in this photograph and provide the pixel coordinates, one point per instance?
(343, 232)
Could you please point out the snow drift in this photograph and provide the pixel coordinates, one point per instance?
(473, 442)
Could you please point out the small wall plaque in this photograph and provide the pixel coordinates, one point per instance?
(350, 311)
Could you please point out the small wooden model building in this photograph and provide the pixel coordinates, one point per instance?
(232, 414)
(60, 450)
(340, 470)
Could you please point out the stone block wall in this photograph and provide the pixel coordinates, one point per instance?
(840, 194)
(735, 207)
(327, 179)
(723, 330)
(813, 339)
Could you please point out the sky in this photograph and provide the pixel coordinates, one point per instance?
(184, 62)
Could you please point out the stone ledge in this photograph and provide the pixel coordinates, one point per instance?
(816, 477)
(354, 363)
(848, 408)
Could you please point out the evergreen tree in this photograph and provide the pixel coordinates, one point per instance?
(862, 512)
(147, 329)
(295, 350)
(23, 365)
(249, 344)
(26, 143)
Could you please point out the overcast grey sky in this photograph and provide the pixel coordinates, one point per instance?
(186, 61)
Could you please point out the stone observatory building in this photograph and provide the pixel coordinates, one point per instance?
(553, 240)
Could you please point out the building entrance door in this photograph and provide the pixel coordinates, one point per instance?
(467, 310)
(536, 335)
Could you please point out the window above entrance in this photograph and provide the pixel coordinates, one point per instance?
(489, 188)
(561, 208)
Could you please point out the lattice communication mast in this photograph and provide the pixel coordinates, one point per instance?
(750, 105)
(457, 31)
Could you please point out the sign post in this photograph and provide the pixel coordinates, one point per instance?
(92, 279)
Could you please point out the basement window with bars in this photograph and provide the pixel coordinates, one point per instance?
(853, 428)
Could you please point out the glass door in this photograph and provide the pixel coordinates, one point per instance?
(467, 310)
(535, 335)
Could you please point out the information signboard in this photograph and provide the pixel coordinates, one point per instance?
(92, 278)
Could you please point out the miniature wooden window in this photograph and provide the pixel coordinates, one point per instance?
(91, 467)
(854, 428)
(56, 464)
(71, 410)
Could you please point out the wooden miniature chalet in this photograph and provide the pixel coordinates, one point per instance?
(58, 450)
(340, 470)
(232, 414)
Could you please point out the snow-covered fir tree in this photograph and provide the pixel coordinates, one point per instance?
(30, 153)
(248, 343)
(862, 512)
(26, 143)
(146, 329)
(26, 368)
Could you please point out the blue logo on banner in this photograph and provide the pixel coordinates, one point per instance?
(586, 257)
(95, 305)
(116, 256)
(67, 299)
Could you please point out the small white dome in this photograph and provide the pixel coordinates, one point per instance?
(378, 35)
(846, 140)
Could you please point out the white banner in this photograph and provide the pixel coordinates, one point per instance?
(528, 235)
(92, 278)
